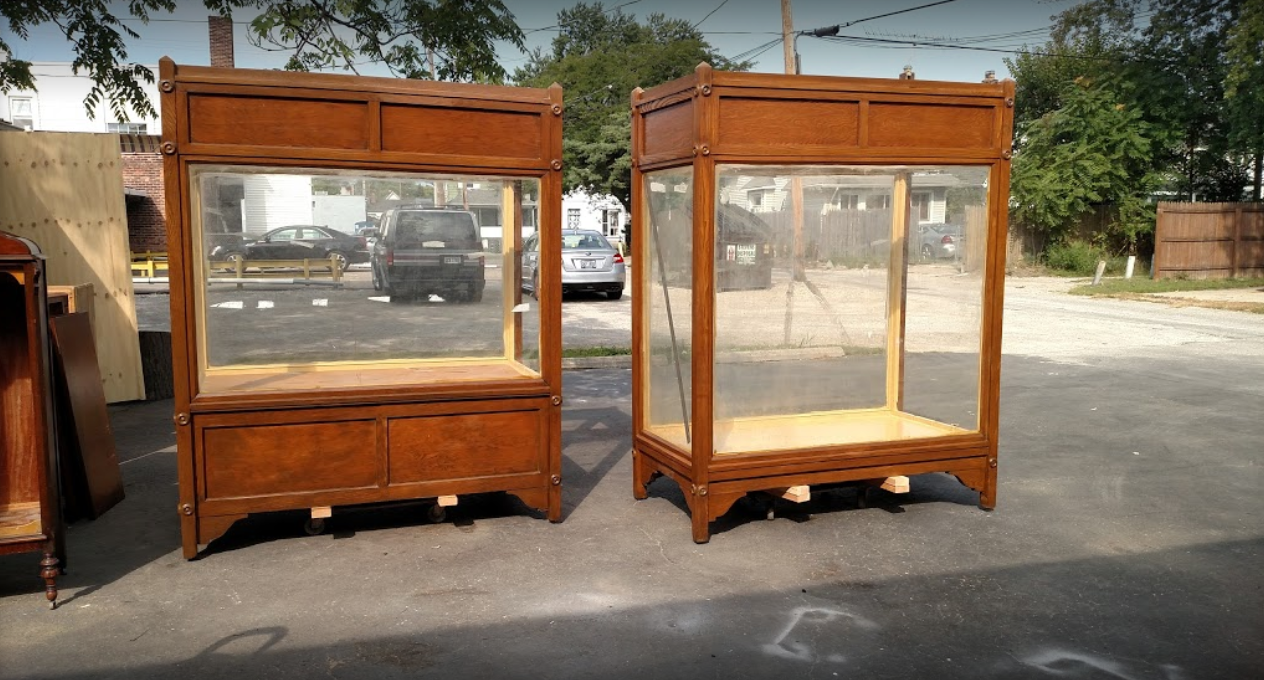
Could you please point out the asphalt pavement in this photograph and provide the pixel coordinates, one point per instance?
(1126, 543)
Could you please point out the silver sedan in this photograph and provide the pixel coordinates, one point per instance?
(589, 264)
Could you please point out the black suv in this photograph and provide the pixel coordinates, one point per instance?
(420, 251)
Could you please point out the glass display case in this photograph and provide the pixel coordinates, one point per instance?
(821, 296)
(349, 317)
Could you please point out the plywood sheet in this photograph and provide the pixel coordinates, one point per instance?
(64, 191)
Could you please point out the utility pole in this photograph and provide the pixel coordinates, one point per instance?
(796, 183)
(787, 37)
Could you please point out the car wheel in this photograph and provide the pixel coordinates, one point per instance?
(476, 293)
(927, 252)
(341, 259)
(535, 286)
(614, 294)
(232, 259)
(377, 278)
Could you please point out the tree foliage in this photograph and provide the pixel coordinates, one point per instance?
(1170, 59)
(1168, 101)
(1092, 150)
(441, 39)
(598, 57)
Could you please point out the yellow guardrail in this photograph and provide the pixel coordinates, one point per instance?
(149, 263)
(276, 269)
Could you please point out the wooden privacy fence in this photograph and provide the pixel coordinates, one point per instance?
(854, 237)
(1209, 240)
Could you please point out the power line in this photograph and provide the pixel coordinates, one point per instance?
(708, 16)
(898, 11)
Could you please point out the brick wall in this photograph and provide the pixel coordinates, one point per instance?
(146, 217)
(221, 29)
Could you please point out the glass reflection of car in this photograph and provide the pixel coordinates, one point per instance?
(299, 242)
(424, 251)
(940, 241)
(743, 246)
(589, 264)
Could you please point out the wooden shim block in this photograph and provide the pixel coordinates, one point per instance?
(86, 443)
(447, 501)
(798, 494)
(322, 512)
(897, 484)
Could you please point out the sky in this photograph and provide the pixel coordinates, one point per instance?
(981, 34)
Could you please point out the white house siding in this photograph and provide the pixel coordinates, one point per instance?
(273, 201)
(591, 209)
(338, 212)
(57, 103)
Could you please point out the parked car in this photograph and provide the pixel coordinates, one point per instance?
(743, 246)
(299, 242)
(589, 263)
(940, 241)
(217, 238)
(424, 251)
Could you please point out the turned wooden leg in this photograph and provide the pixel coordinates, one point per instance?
(48, 571)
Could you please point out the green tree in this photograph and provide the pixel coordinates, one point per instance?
(1244, 87)
(599, 57)
(439, 39)
(1092, 150)
(1171, 64)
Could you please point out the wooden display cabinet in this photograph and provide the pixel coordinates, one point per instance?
(30, 500)
(871, 350)
(420, 373)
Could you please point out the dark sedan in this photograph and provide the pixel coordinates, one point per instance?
(299, 242)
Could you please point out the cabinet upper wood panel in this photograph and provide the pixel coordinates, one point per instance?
(795, 124)
(276, 121)
(462, 132)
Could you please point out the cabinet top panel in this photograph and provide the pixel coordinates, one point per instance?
(752, 117)
(357, 120)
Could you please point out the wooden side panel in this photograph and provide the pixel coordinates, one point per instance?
(64, 191)
(464, 446)
(265, 460)
(929, 126)
(807, 126)
(274, 121)
(669, 131)
(461, 132)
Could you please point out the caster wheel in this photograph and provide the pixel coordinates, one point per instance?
(436, 514)
(314, 527)
(770, 511)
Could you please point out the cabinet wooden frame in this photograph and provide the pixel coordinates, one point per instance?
(710, 119)
(397, 439)
(30, 492)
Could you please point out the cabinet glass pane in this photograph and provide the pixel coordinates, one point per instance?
(832, 326)
(311, 278)
(669, 246)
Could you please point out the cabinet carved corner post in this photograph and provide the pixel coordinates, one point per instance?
(30, 497)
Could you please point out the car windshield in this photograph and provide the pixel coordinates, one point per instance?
(584, 240)
(436, 230)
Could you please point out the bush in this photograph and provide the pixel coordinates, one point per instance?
(1075, 257)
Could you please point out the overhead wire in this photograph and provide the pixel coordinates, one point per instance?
(708, 16)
